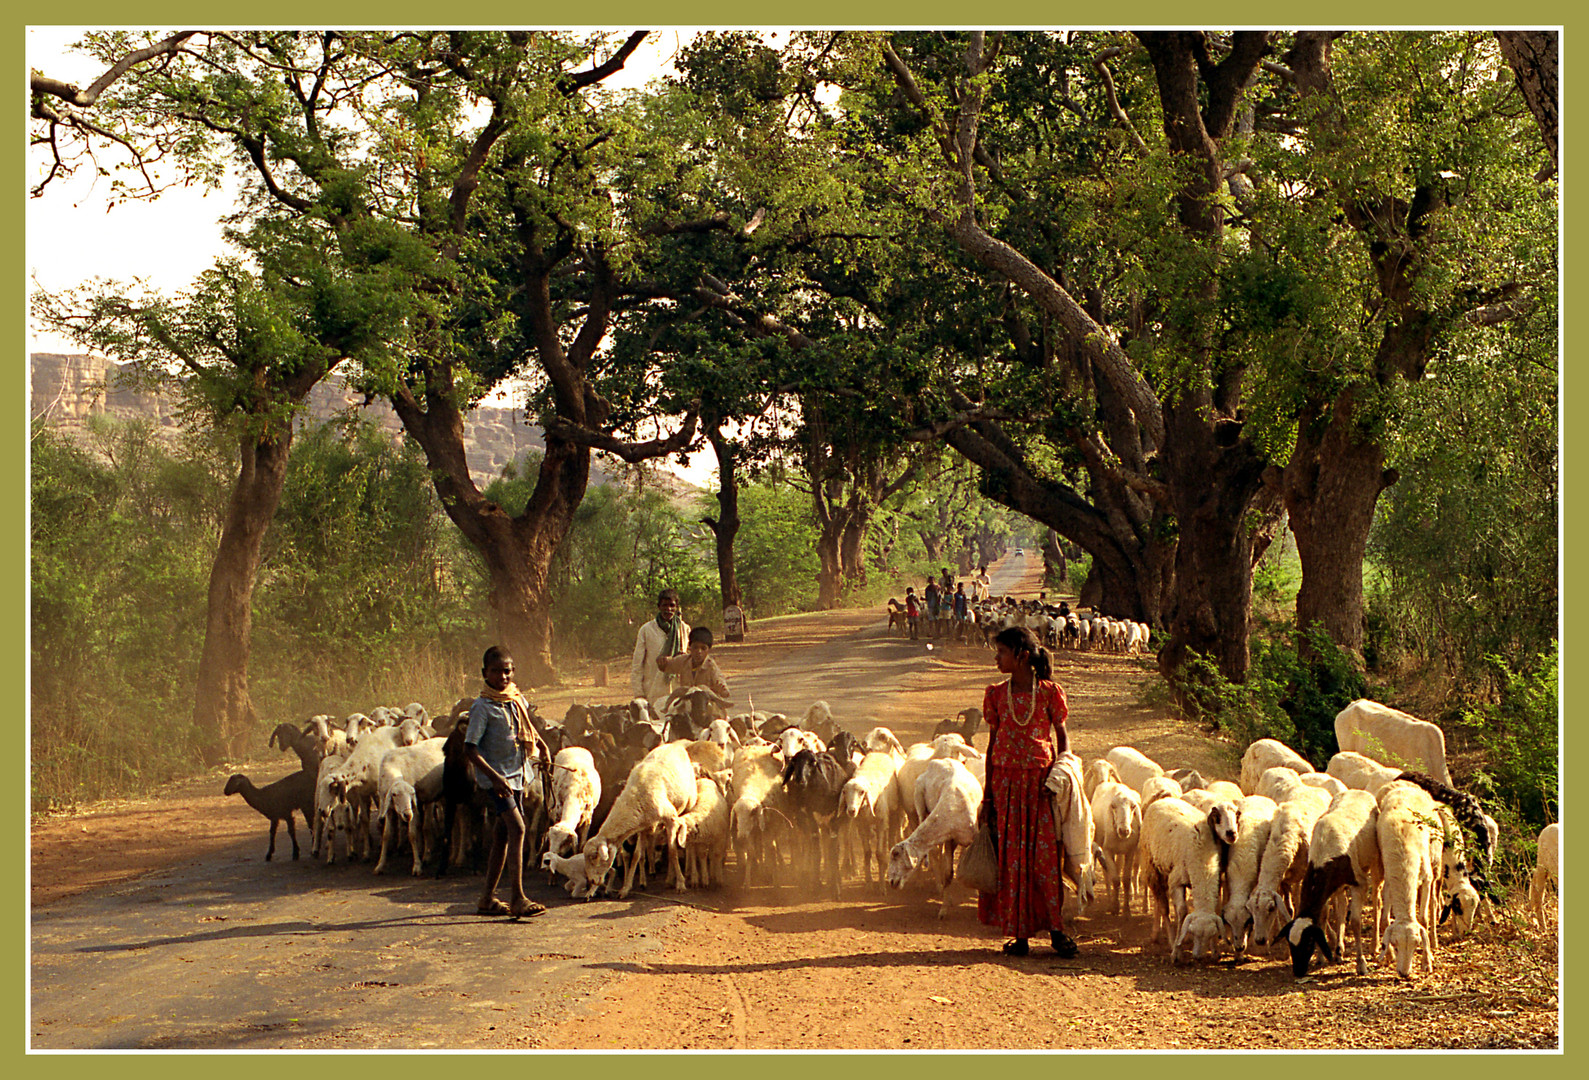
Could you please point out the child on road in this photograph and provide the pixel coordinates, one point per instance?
(498, 742)
(695, 666)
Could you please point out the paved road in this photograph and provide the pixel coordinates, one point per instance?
(861, 669)
(231, 952)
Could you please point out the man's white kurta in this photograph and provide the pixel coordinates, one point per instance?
(644, 678)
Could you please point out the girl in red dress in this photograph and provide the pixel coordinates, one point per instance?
(1026, 717)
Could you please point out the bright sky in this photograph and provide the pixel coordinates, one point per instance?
(74, 235)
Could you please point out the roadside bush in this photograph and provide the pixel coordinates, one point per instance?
(1287, 696)
(1519, 736)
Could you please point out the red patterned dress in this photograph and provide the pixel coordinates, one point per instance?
(1030, 891)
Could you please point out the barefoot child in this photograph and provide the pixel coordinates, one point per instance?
(695, 666)
(498, 742)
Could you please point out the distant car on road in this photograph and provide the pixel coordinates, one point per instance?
(1019, 551)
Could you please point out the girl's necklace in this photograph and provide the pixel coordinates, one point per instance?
(1031, 711)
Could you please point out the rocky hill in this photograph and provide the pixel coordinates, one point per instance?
(67, 389)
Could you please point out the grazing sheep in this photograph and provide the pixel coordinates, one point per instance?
(1180, 868)
(1360, 772)
(1547, 871)
(1409, 837)
(920, 755)
(1284, 863)
(352, 784)
(1134, 767)
(1266, 754)
(1393, 737)
(1224, 789)
(575, 791)
(660, 789)
(1189, 779)
(882, 739)
(1343, 853)
(1282, 784)
(1155, 788)
(1469, 812)
(1241, 871)
(946, 797)
(277, 801)
(1117, 830)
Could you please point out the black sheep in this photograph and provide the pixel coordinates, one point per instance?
(812, 783)
(277, 801)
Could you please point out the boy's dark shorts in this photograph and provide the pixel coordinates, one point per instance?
(504, 803)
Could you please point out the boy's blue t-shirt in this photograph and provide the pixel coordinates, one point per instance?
(491, 729)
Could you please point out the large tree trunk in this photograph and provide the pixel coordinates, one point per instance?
(223, 712)
(726, 526)
(1212, 482)
(1532, 56)
(852, 544)
(830, 572)
(1331, 486)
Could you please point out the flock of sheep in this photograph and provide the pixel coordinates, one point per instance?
(1055, 626)
(628, 792)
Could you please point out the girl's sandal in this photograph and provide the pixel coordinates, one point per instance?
(529, 910)
(493, 907)
(1064, 947)
(1018, 947)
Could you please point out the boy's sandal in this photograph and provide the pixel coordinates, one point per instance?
(529, 910)
(492, 907)
(1064, 947)
(1018, 947)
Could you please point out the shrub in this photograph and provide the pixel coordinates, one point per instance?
(1519, 736)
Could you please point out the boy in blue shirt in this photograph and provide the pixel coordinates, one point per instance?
(498, 742)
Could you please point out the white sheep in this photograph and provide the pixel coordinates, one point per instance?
(575, 789)
(947, 798)
(1133, 766)
(1155, 788)
(1324, 782)
(1224, 817)
(1409, 836)
(919, 755)
(1180, 869)
(1072, 824)
(1117, 830)
(1343, 853)
(352, 784)
(1225, 789)
(1547, 871)
(1360, 771)
(420, 767)
(881, 738)
(701, 836)
(870, 803)
(658, 791)
(1241, 870)
(755, 789)
(573, 868)
(1266, 754)
(1281, 784)
(1098, 771)
(1393, 737)
(793, 740)
(1284, 862)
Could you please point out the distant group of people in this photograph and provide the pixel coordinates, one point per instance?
(943, 602)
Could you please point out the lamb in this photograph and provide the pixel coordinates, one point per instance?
(1470, 813)
(1224, 789)
(573, 868)
(1134, 767)
(947, 797)
(402, 804)
(277, 801)
(1360, 772)
(1343, 853)
(1189, 779)
(701, 836)
(1547, 871)
(792, 740)
(418, 765)
(575, 791)
(1224, 819)
(1178, 854)
(812, 784)
(1155, 788)
(870, 801)
(353, 783)
(660, 789)
(1266, 754)
(881, 738)
(1117, 830)
(1281, 784)
(1393, 737)
(1284, 862)
(920, 755)
(1241, 870)
(1409, 841)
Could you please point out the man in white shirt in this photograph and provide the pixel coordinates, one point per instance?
(660, 638)
(981, 584)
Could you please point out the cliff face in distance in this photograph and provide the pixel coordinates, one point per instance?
(67, 389)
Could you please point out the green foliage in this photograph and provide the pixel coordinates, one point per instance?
(1076, 571)
(1519, 734)
(1287, 696)
(776, 550)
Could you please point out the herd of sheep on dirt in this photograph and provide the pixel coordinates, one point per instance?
(1283, 853)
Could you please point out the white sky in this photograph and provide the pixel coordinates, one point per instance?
(74, 235)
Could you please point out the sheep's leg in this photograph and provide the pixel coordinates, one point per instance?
(416, 841)
(388, 838)
(293, 836)
(272, 849)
